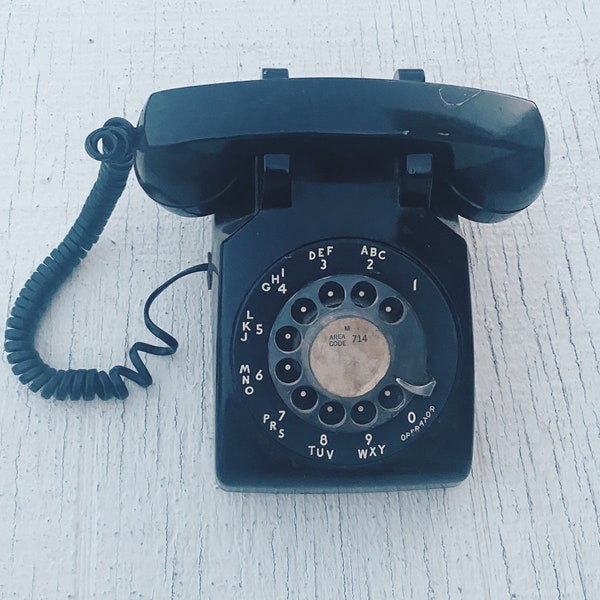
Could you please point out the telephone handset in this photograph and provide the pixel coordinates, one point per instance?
(344, 356)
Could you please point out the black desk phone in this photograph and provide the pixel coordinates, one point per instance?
(344, 351)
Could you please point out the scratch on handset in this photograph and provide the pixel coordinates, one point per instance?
(462, 102)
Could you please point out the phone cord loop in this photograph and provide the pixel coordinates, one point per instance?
(114, 146)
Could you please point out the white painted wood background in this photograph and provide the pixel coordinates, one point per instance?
(119, 500)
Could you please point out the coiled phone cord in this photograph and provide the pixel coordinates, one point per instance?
(118, 138)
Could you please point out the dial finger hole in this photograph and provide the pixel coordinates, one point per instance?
(363, 294)
(332, 413)
(331, 294)
(304, 398)
(363, 413)
(304, 311)
(391, 310)
(392, 397)
(288, 339)
(288, 370)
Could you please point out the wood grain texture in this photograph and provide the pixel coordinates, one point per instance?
(119, 500)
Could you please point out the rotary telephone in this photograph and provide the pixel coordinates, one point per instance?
(344, 351)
